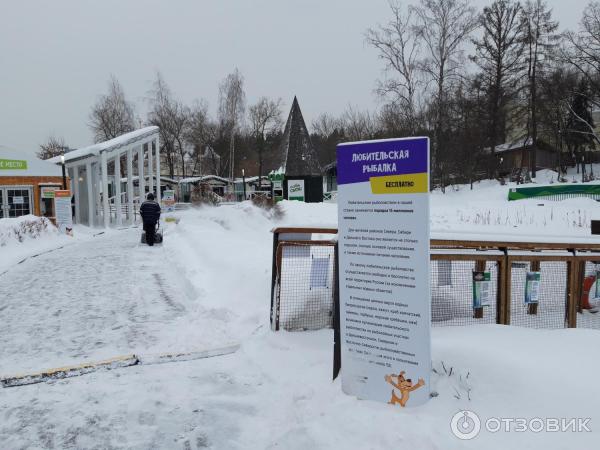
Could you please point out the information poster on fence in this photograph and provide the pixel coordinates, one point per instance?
(383, 207)
(481, 289)
(532, 287)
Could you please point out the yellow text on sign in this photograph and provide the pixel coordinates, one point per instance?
(414, 183)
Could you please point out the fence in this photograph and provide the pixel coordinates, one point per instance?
(304, 274)
(452, 291)
(304, 279)
(556, 192)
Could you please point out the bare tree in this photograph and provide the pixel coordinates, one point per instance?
(468, 129)
(444, 25)
(54, 146)
(583, 51)
(359, 125)
(112, 115)
(172, 118)
(264, 117)
(325, 125)
(541, 40)
(231, 110)
(499, 55)
(581, 131)
(556, 91)
(201, 133)
(399, 45)
(327, 132)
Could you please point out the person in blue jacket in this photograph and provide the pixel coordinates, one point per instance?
(150, 212)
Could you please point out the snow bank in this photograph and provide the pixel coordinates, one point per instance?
(23, 228)
(30, 235)
(25, 236)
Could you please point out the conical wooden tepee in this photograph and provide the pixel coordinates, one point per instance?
(299, 157)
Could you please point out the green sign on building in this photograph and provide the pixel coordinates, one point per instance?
(13, 164)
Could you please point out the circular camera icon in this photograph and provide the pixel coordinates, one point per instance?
(465, 425)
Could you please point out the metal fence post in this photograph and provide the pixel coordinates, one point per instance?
(337, 341)
(479, 267)
(576, 270)
(273, 278)
(507, 289)
(532, 308)
(501, 301)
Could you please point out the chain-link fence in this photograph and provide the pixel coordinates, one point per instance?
(452, 292)
(304, 285)
(547, 286)
(538, 294)
(588, 311)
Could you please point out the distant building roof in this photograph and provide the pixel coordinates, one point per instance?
(330, 166)
(111, 144)
(204, 179)
(20, 164)
(298, 155)
(162, 178)
(254, 180)
(517, 144)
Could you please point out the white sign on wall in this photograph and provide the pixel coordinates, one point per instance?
(296, 190)
(383, 208)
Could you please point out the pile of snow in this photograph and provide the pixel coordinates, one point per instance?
(18, 230)
(30, 235)
(25, 236)
(225, 252)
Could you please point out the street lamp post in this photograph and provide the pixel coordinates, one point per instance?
(244, 182)
(64, 172)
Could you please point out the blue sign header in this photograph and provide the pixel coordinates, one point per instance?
(360, 161)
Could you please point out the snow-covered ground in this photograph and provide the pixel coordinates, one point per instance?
(28, 236)
(209, 285)
(485, 213)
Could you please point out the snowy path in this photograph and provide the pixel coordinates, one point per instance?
(93, 300)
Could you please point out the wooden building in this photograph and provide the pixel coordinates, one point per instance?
(515, 155)
(27, 184)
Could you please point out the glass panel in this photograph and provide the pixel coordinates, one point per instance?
(18, 202)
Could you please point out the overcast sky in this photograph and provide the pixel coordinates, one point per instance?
(56, 56)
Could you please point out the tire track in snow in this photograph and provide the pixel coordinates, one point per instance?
(162, 289)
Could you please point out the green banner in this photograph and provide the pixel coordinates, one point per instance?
(567, 190)
(13, 164)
